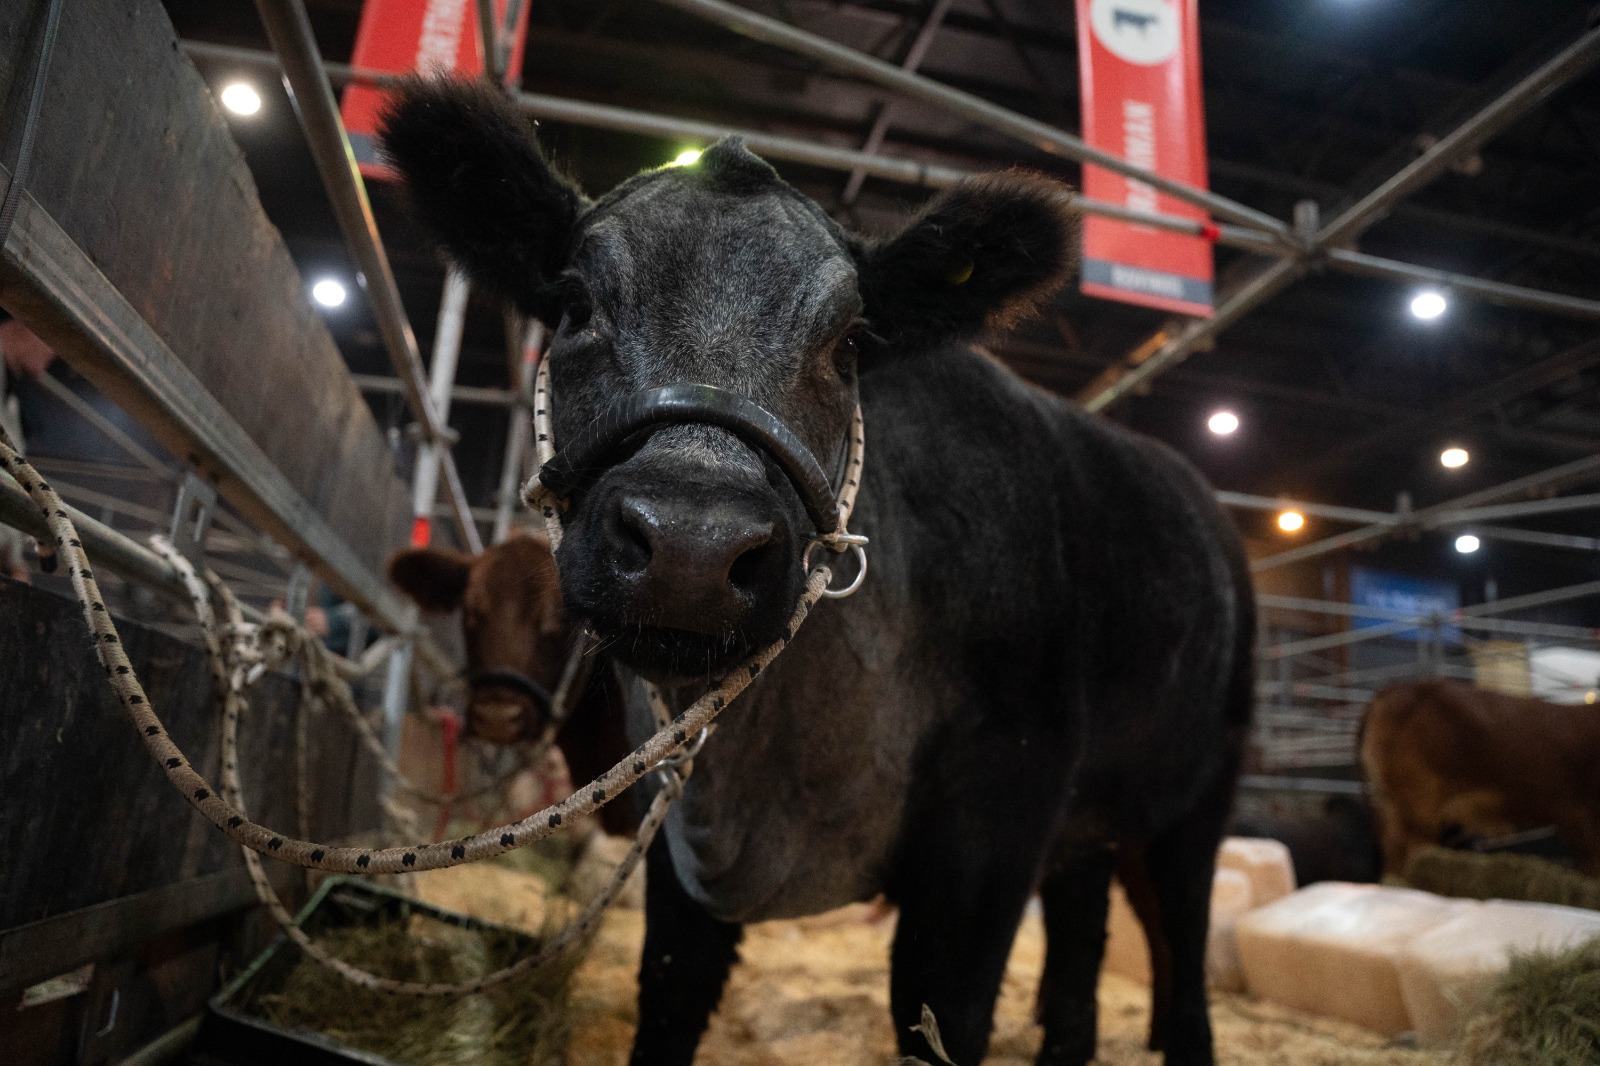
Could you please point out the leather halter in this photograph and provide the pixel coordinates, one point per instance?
(515, 680)
(580, 463)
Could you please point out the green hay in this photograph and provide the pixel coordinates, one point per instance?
(1469, 875)
(1545, 1011)
(523, 1022)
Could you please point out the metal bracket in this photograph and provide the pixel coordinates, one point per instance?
(191, 515)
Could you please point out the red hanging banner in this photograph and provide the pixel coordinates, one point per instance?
(429, 36)
(1139, 62)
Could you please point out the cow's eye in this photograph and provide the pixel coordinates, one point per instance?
(847, 350)
(575, 305)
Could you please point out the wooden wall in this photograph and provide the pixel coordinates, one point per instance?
(100, 860)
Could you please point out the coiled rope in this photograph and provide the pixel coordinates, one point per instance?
(226, 816)
(252, 650)
(239, 653)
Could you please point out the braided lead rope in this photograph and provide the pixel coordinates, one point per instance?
(434, 856)
(230, 671)
(279, 641)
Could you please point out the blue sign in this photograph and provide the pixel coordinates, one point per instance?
(1417, 596)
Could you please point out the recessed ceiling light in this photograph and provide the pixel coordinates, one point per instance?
(1466, 544)
(241, 98)
(1453, 457)
(1429, 304)
(328, 292)
(1291, 521)
(1222, 423)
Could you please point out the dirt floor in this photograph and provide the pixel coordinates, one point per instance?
(815, 991)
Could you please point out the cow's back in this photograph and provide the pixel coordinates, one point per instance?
(1101, 554)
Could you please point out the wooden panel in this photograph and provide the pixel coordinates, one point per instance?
(135, 162)
(88, 817)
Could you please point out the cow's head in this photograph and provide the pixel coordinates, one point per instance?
(512, 622)
(685, 553)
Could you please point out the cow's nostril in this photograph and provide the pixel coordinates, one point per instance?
(633, 538)
(748, 569)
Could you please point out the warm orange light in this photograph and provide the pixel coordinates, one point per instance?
(1291, 521)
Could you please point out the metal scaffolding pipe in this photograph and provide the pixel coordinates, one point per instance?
(476, 394)
(880, 124)
(770, 145)
(1571, 62)
(934, 175)
(1494, 292)
(1538, 537)
(1491, 625)
(1523, 509)
(1040, 135)
(1315, 510)
(105, 546)
(107, 428)
(1141, 365)
(134, 562)
(1290, 783)
(1385, 629)
(1429, 517)
(441, 378)
(1121, 380)
(290, 32)
(1446, 520)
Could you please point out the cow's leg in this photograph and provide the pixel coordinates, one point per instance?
(964, 876)
(1134, 873)
(687, 955)
(1075, 894)
(1182, 862)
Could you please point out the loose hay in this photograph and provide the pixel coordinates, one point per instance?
(1469, 875)
(815, 992)
(1545, 1011)
(523, 1022)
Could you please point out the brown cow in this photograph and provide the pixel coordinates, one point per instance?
(1445, 760)
(517, 640)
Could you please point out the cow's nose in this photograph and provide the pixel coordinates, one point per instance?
(694, 565)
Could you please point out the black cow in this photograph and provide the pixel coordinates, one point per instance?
(1051, 655)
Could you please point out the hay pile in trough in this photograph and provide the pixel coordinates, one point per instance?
(1469, 875)
(523, 1022)
(1545, 1011)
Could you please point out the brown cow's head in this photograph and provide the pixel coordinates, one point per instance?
(511, 618)
(683, 551)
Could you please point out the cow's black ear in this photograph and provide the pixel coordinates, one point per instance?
(978, 256)
(436, 578)
(479, 183)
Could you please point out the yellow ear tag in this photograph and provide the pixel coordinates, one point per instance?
(960, 274)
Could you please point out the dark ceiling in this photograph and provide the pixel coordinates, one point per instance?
(1345, 398)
